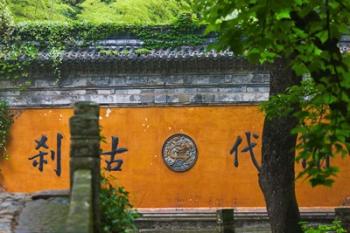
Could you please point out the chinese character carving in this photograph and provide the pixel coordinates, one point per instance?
(40, 159)
(249, 148)
(114, 164)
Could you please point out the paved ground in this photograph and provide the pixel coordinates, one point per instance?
(43, 213)
(19, 213)
(43, 216)
(10, 207)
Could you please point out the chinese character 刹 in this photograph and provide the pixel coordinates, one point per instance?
(40, 159)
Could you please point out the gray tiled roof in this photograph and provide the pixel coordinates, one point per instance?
(132, 53)
(344, 44)
(183, 59)
(124, 56)
(114, 49)
(130, 49)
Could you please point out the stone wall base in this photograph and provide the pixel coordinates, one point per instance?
(204, 220)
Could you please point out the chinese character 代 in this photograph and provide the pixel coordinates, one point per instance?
(249, 148)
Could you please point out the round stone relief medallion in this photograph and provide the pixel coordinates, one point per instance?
(179, 152)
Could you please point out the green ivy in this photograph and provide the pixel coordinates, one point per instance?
(117, 214)
(21, 48)
(6, 30)
(5, 124)
(12, 64)
(53, 34)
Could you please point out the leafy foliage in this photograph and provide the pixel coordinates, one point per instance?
(11, 49)
(305, 34)
(140, 12)
(46, 34)
(26, 40)
(6, 20)
(5, 124)
(117, 213)
(6, 28)
(335, 227)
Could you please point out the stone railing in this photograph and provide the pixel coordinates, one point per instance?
(80, 216)
(84, 212)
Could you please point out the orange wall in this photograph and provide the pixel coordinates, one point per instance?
(212, 182)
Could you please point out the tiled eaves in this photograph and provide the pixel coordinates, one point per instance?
(171, 61)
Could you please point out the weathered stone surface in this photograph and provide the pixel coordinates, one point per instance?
(43, 216)
(11, 204)
(343, 213)
(84, 163)
(246, 220)
(46, 194)
(84, 156)
(140, 89)
(225, 219)
(80, 216)
(84, 147)
(87, 109)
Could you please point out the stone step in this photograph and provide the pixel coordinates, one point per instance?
(202, 220)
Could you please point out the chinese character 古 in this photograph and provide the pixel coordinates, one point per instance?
(114, 164)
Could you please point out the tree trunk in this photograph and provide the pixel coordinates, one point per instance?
(277, 175)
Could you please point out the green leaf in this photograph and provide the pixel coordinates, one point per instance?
(283, 14)
(323, 36)
(300, 68)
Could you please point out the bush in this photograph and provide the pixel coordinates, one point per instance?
(6, 20)
(117, 214)
(334, 227)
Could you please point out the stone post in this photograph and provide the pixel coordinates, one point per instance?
(225, 219)
(85, 149)
(343, 214)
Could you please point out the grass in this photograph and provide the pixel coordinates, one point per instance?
(139, 12)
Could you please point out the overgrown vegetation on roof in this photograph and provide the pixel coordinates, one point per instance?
(26, 40)
(136, 12)
(180, 33)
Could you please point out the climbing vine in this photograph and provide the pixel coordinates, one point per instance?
(28, 40)
(6, 29)
(5, 124)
